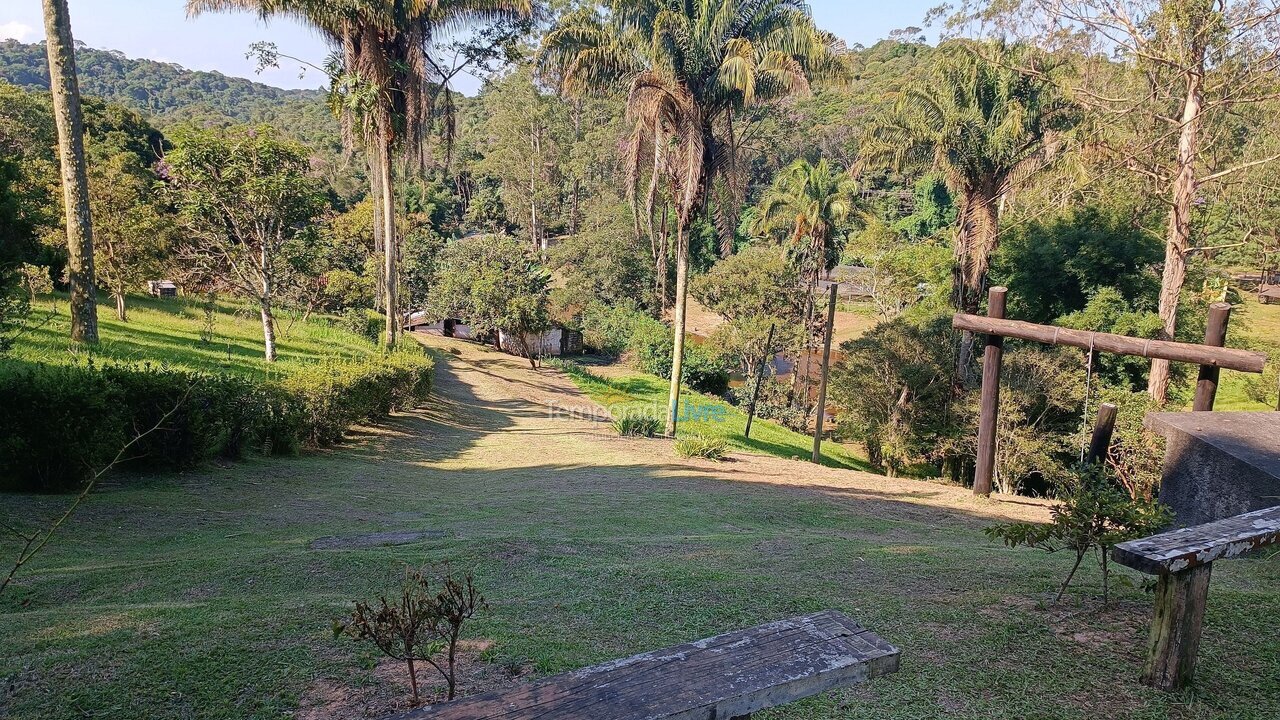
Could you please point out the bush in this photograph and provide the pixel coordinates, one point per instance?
(62, 423)
(648, 346)
(362, 322)
(702, 446)
(637, 425)
(1096, 514)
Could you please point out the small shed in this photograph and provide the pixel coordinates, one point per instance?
(162, 288)
(1269, 294)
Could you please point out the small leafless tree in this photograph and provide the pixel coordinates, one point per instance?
(422, 624)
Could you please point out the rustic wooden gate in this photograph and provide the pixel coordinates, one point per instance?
(1211, 356)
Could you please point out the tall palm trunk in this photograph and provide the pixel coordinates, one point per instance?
(1179, 238)
(75, 182)
(977, 239)
(390, 244)
(379, 229)
(682, 295)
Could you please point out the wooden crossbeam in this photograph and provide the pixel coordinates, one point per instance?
(1228, 358)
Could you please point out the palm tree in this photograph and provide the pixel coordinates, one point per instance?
(75, 181)
(987, 118)
(384, 83)
(687, 67)
(810, 203)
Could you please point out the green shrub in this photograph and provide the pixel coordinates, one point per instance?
(608, 329)
(362, 322)
(61, 423)
(648, 346)
(702, 446)
(637, 425)
(1095, 515)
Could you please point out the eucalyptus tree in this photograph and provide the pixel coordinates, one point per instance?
(1175, 85)
(60, 47)
(987, 117)
(687, 67)
(385, 83)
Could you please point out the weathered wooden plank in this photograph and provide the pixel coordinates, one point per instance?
(726, 676)
(1175, 631)
(1179, 550)
(1229, 358)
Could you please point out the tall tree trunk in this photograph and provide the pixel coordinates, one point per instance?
(264, 305)
(390, 243)
(1179, 236)
(677, 353)
(75, 183)
(121, 313)
(379, 228)
(975, 242)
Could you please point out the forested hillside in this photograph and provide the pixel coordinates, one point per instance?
(170, 94)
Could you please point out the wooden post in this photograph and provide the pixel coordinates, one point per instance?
(1175, 632)
(755, 392)
(1102, 429)
(985, 466)
(826, 369)
(1215, 334)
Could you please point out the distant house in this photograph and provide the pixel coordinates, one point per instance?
(555, 342)
(851, 281)
(162, 288)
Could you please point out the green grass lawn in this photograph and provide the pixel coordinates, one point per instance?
(705, 415)
(168, 331)
(200, 596)
(1259, 326)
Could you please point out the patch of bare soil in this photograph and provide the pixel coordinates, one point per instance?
(390, 692)
(533, 403)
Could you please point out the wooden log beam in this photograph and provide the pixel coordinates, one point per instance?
(1175, 631)
(1228, 358)
(1215, 335)
(1103, 428)
(985, 463)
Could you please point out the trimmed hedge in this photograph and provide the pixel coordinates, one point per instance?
(60, 423)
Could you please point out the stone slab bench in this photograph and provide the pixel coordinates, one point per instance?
(727, 676)
(1182, 560)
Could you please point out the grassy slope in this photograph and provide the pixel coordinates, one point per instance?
(197, 596)
(168, 331)
(639, 392)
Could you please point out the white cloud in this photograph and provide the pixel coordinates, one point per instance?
(16, 30)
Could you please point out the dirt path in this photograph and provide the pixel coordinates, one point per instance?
(505, 403)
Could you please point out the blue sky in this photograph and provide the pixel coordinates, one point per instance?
(160, 30)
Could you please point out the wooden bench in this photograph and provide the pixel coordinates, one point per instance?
(727, 676)
(1183, 560)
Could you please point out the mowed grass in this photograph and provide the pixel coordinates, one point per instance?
(198, 596)
(168, 332)
(706, 415)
